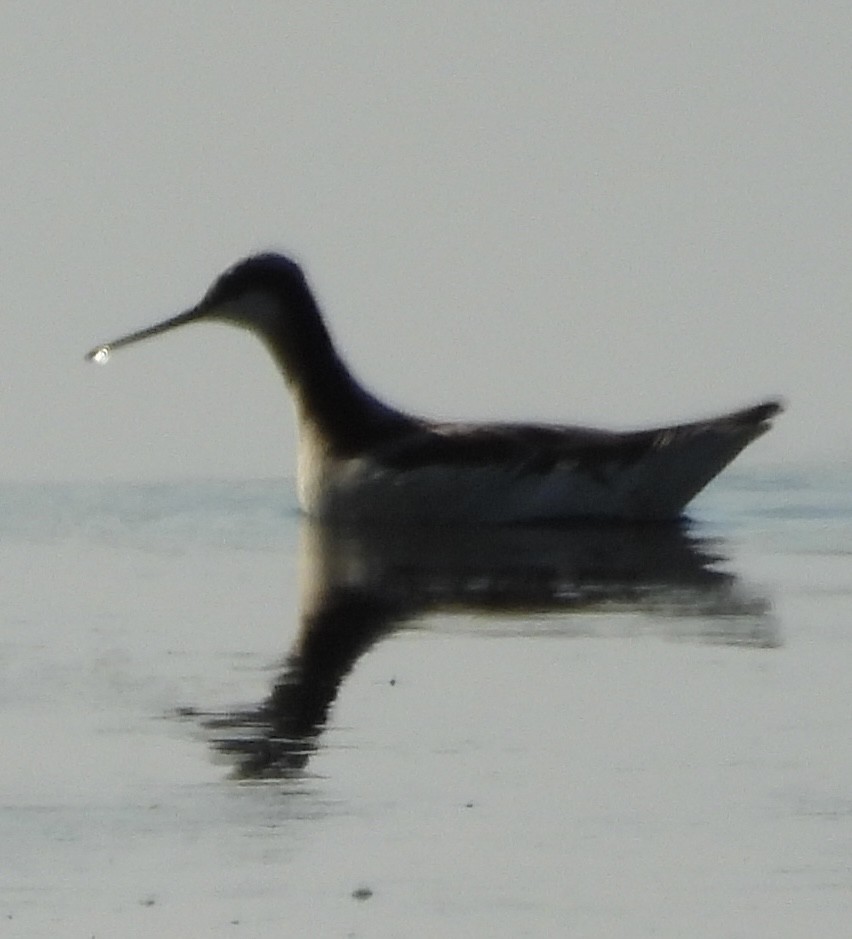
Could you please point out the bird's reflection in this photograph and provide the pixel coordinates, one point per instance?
(359, 585)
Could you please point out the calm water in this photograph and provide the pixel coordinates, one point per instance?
(220, 721)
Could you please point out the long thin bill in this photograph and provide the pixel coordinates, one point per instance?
(102, 353)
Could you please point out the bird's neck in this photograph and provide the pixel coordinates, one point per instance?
(331, 404)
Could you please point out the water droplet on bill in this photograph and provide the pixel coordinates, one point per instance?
(101, 356)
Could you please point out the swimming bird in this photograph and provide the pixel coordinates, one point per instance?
(362, 460)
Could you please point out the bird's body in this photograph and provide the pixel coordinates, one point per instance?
(504, 473)
(361, 460)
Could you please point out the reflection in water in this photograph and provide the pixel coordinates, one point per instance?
(360, 585)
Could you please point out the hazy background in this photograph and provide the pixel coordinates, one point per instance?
(598, 212)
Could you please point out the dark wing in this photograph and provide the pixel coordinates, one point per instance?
(538, 448)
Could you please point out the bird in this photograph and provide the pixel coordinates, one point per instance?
(361, 460)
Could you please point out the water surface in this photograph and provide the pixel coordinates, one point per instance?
(221, 720)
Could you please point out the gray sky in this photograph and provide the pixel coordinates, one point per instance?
(600, 213)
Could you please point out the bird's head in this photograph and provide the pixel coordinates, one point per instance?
(254, 293)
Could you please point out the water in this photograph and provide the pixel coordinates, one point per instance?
(219, 720)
